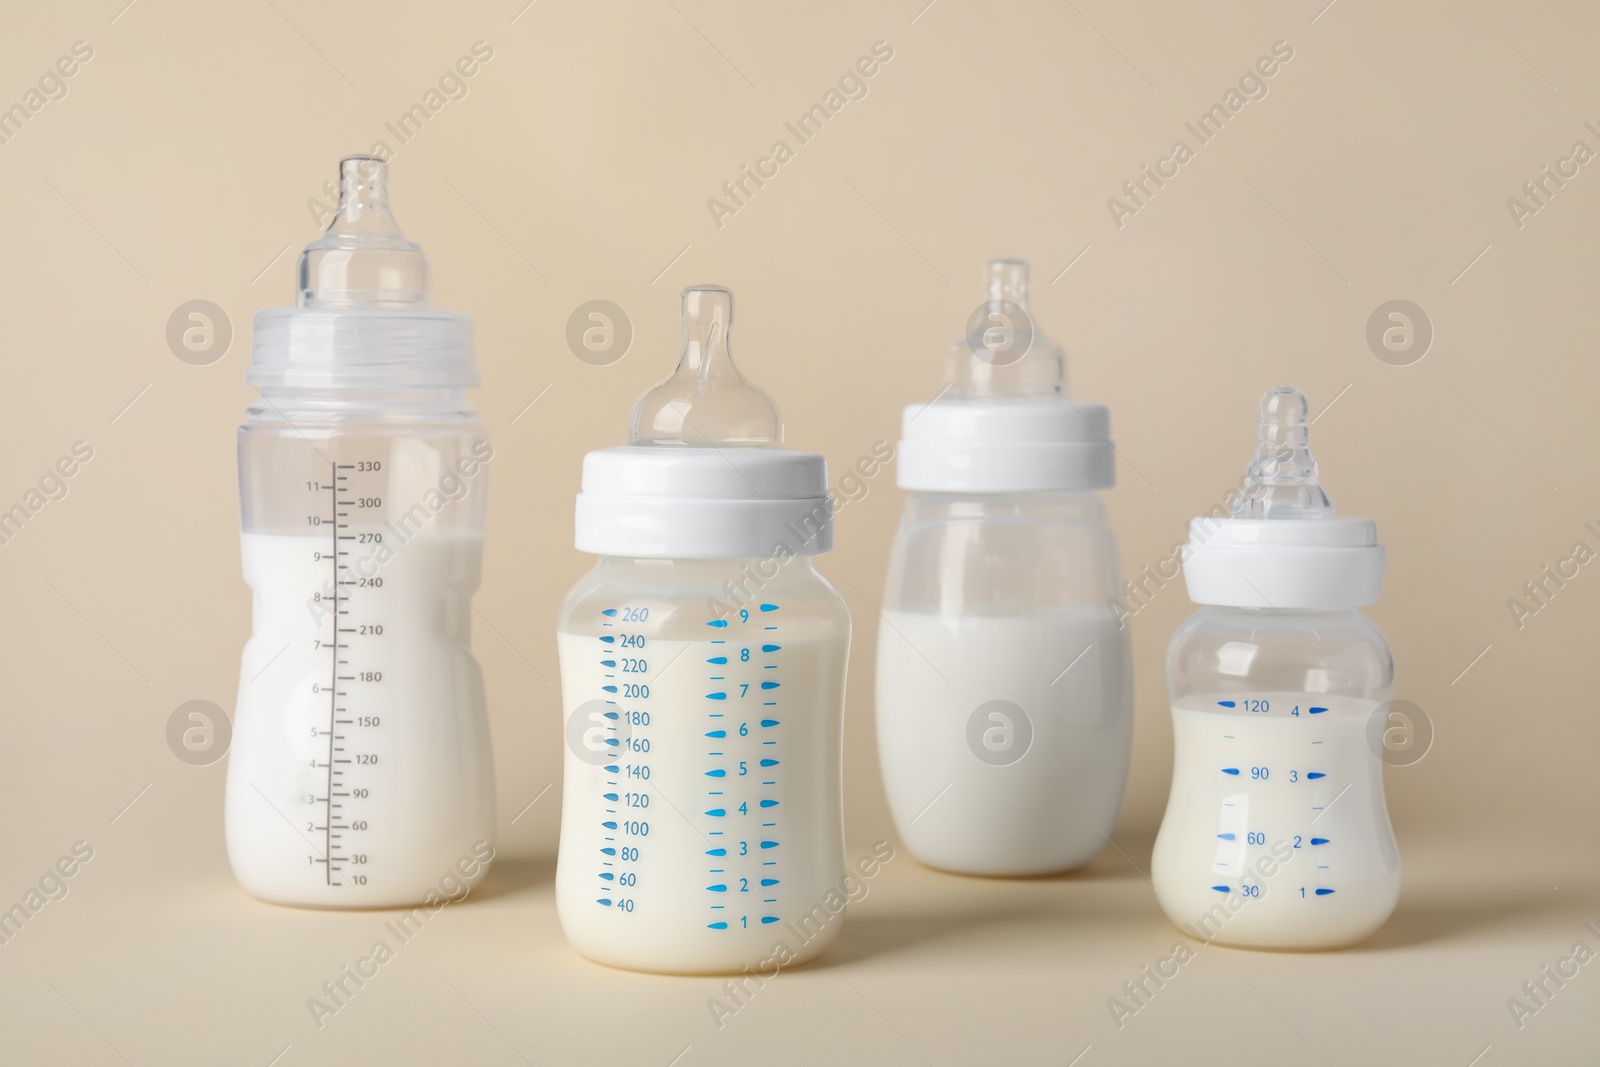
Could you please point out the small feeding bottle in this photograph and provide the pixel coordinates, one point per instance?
(1004, 686)
(1276, 834)
(702, 679)
(361, 773)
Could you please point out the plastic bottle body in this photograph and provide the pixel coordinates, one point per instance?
(1276, 833)
(360, 773)
(702, 818)
(1004, 683)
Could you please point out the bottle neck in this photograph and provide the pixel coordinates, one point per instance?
(410, 407)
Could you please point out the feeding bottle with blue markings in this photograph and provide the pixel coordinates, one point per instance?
(1276, 833)
(702, 684)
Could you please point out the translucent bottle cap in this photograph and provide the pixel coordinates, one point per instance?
(363, 317)
(1005, 352)
(706, 402)
(363, 260)
(703, 476)
(1282, 545)
(1004, 422)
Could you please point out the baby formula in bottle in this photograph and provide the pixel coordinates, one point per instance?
(360, 773)
(1004, 687)
(702, 678)
(1276, 834)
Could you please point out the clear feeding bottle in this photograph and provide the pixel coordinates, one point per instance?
(360, 773)
(1004, 685)
(702, 681)
(1276, 834)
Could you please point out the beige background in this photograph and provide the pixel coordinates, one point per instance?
(179, 165)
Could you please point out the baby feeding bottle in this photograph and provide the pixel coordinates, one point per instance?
(1004, 687)
(1276, 834)
(702, 681)
(360, 773)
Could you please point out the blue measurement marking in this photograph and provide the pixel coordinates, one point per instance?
(1319, 711)
(717, 813)
(1324, 892)
(608, 663)
(769, 607)
(610, 796)
(771, 648)
(718, 660)
(769, 722)
(774, 803)
(769, 844)
(608, 639)
(717, 926)
(606, 876)
(768, 919)
(610, 770)
(608, 851)
(720, 624)
(769, 881)
(608, 612)
(716, 733)
(1220, 888)
(718, 888)
(769, 685)
(1314, 775)
(604, 900)
(716, 696)
(718, 773)
(1319, 840)
(1227, 703)
(1226, 837)
(769, 763)
(609, 688)
(1230, 770)
(716, 852)
(609, 825)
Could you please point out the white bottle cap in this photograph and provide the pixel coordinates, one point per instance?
(1005, 422)
(702, 477)
(1282, 544)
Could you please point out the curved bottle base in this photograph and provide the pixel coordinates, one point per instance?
(981, 858)
(1345, 931)
(451, 877)
(756, 953)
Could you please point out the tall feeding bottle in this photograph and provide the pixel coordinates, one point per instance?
(1276, 833)
(1004, 688)
(702, 681)
(360, 773)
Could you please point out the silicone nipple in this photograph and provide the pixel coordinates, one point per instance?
(706, 402)
(1005, 351)
(363, 260)
(1282, 482)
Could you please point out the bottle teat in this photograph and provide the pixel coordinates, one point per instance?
(1282, 481)
(363, 260)
(1006, 352)
(706, 402)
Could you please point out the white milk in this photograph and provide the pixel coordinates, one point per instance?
(1276, 834)
(711, 832)
(1047, 699)
(410, 787)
